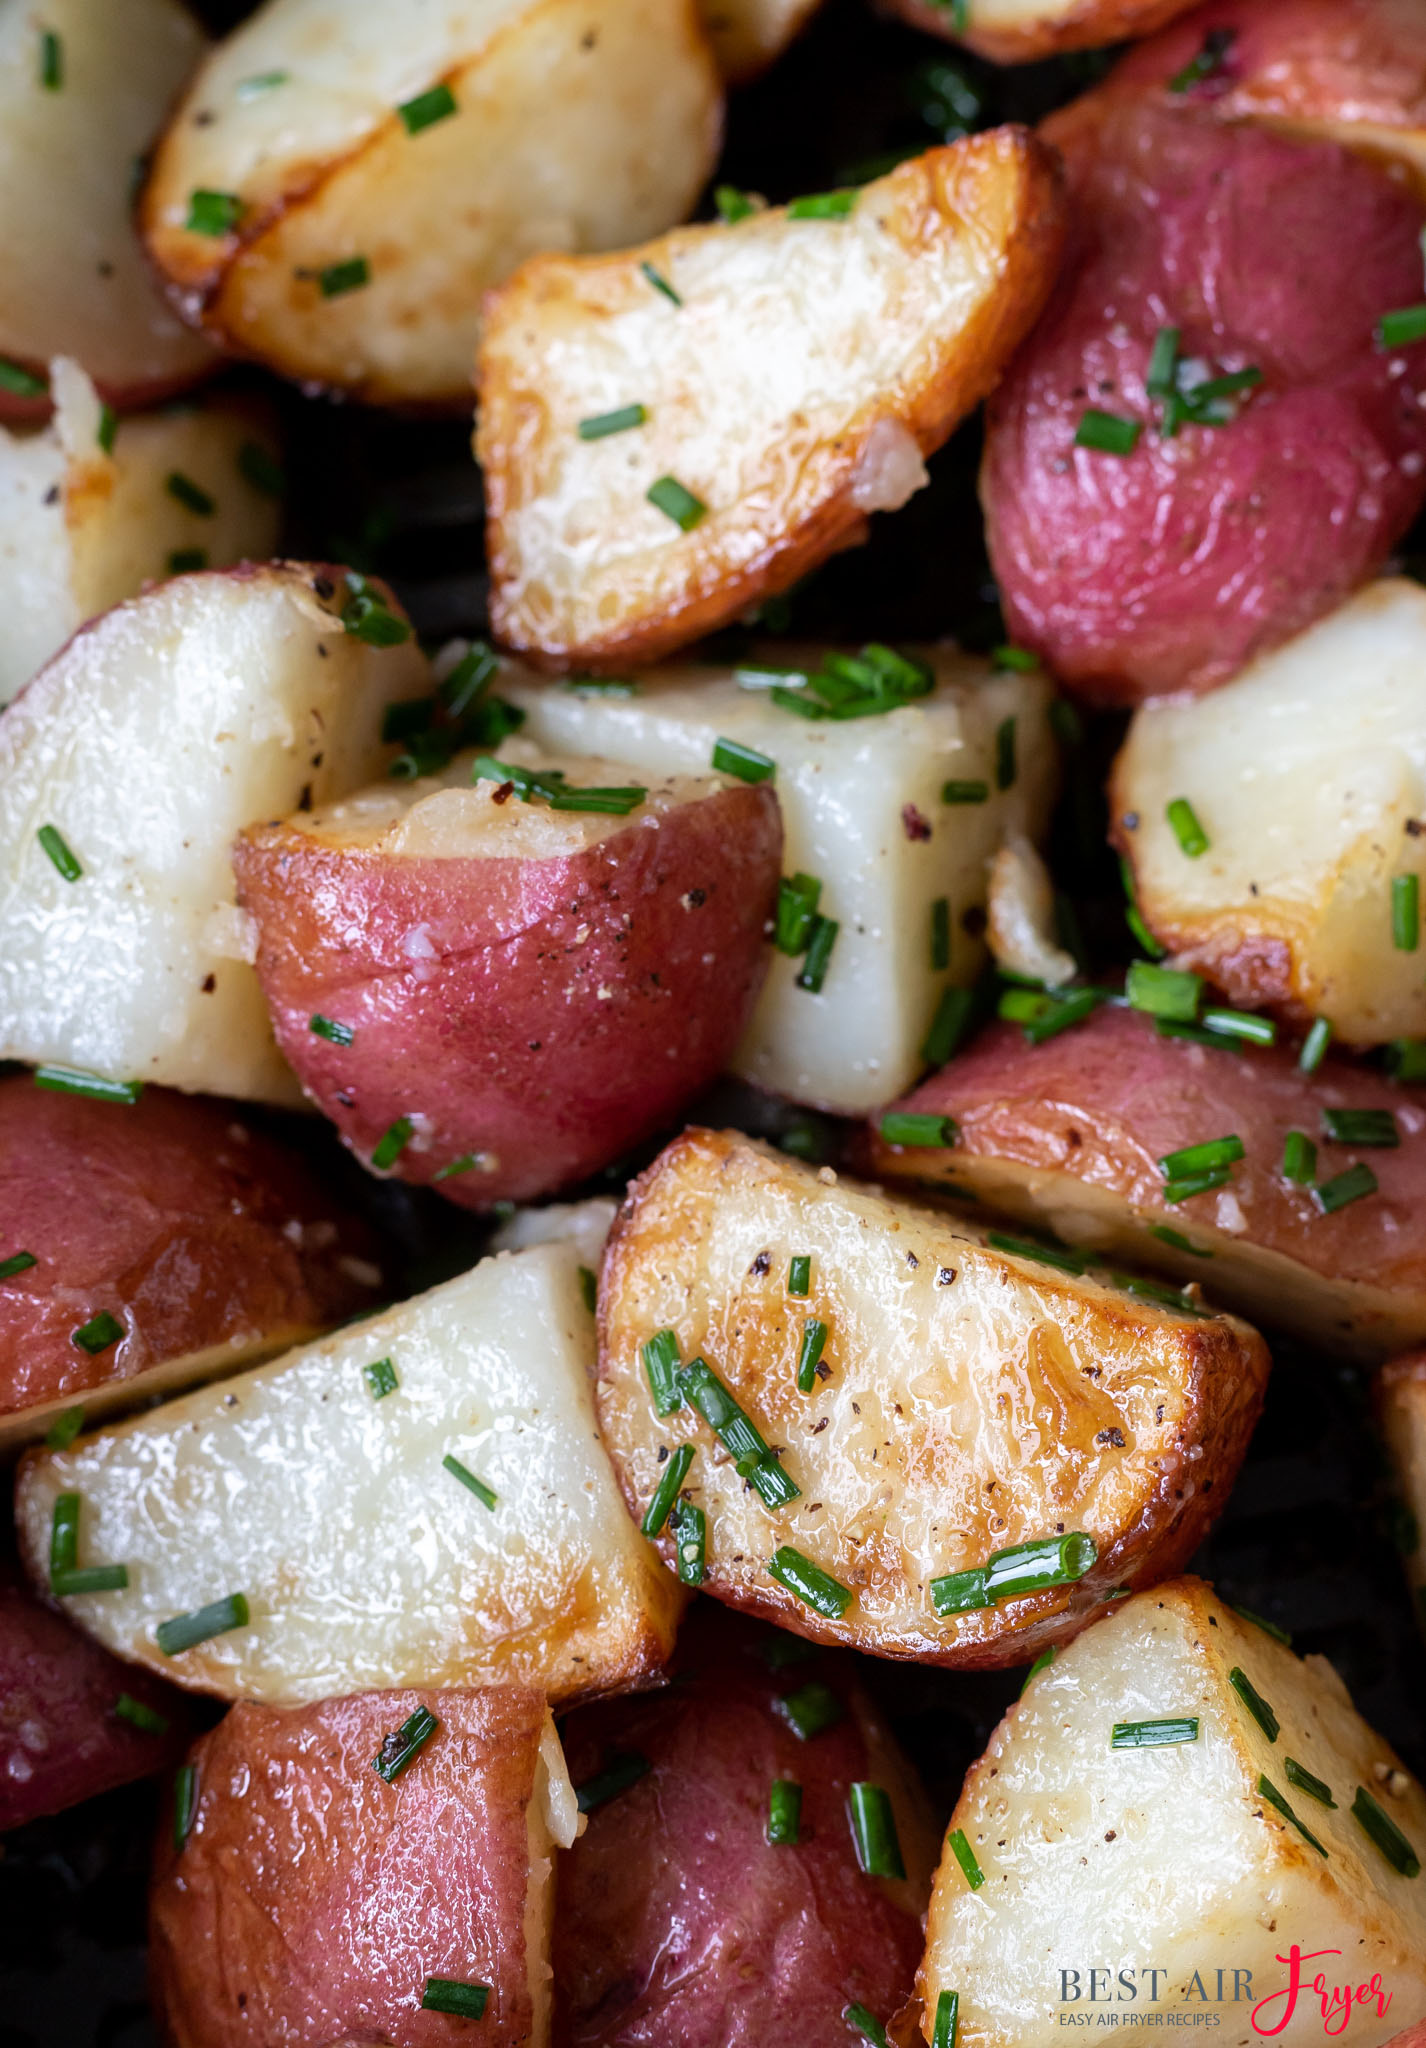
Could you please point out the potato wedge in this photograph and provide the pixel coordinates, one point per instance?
(676, 1912)
(1400, 1392)
(885, 324)
(748, 34)
(1019, 31)
(84, 88)
(1068, 1135)
(363, 1559)
(445, 1870)
(971, 1399)
(864, 816)
(1159, 1859)
(82, 526)
(200, 1244)
(360, 190)
(146, 744)
(585, 1225)
(1308, 775)
(504, 997)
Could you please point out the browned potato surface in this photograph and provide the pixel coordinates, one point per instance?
(1017, 31)
(748, 34)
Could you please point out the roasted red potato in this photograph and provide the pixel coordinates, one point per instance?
(1138, 562)
(74, 1721)
(500, 996)
(423, 1826)
(1069, 1135)
(145, 1246)
(717, 1899)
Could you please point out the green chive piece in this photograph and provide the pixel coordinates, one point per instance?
(797, 900)
(1106, 432)
(185, 1802)
(450, 1994)
(737, 1432)
(334, 1033)
(1018, 659)
(688, 1526)
(660, 283)
(965, 792)
(94, 1578)
(367, 617)
(1401, 328)
(814, 1341)
(108, 429)
(811, 1710)
(1161, 379)
(189, 493)
(1011, 1574)
(51, 61)
(1186, 829)
(56, 847)
(1042, 1663)
(1166, 1234)
(732, 204)
(464, 1164)
(1253, 1700)
(1368, 1127)
(667, 1491)
(139, 1715)
(813, 1587)
(1184, 1190)
(1216, 1154)
(822, 939)
(438, 104)
(186, 1631)
(404, 1744)
(1406, 913)
(866, 2024)
(731, 757)
(380, 1377)
(948, 1027)
(1408, 1059)
(1153, 1290)
(1305, 1781)
(486, 1495)
(213, 213)
(1269, 1628)
(1299, 1158)
(1351, 1186)
(392, 1144)
(1314, 1046)
(261, 81)
(64, 1429)
(1005, 754)
(1163, 991)
(799, 1275)
(661, 1362)
(64, 1534)
(948, 2020)
(350, 275)
(1132, 916)
(676, 502)
(1267, 1790)
(874, 1831)
(1154, 1734)
(961, 1849)
(601, 424)
(612, 802)
(623, 1769)
(186, 561)
(1376, 1823)
(940, 935)
(1241, 1024)
(98, 1333)
(1058, 1256)
(589, 1288)
(908, 1127)
(822, 206)
(262, 469)
(18, 1262)
(20, 382)
(1209, 59)
(784, 1811)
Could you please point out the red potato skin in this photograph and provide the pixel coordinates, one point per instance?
(1166, 570)
(1414, 2037)
(175, 1217)
(496, 1037)
(422, 1878)
(676, 1920)
(60, 1740)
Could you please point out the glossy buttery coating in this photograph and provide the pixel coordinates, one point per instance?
(363, 1560)
(196, 1233)
(446, 1872)
(1018, 31)
(1172, 1855)
(1068, 1135)
(1400, 1396)
(809, 367)
(61, 1740)
(974, 1400)
(537, 990)
(327, 172)
(1166, 569)
(677, 1920)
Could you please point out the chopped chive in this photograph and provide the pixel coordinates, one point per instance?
(56, 847)
(186, 1631)
(1269, 1628)
(18, 1262)
(1018, 659)
(1253, 1700)
(961, 1849)
(940, 935)
(1241, 1024)
(1408, 1059)
(1132, 915)
(667, 1491)
(20, 382)
(1191, 1184)
(866, 2024)
(688, 1526)
(1058, 1256)
(799, 1275)
(1161, 379)
(874, 1831)
(1267, 1790)
(661, 1362)
(64, 1429)
(1042, 1663)
(326, 1027)
(1406, 913)
(1106, 432)
(1208, 60)
(260, 82)
(813, 1587)
(909, 1127)
(1011, 1574)
(101, 1331)
(94, 1578)
(486, 1495)
(1375, 1822)
(731, 757)
(1368, 1127)
(1154, 1734)
(948, 2020)
(185, 1802)
(1210, 1157)
(612, 802)
(189, 493)
(437, 104)
(1166, 1234)
(1299, 1158)
(51, 60)
(1303, 1779)
(404, 1744)
(1314, 1046)
(139, 1715)
(589, 1288)
(1005, 754)
(623, 1769)
(601, 424)
(732, 204)
(350, 275)
(948, 1026)
(1185, 826)
(367, 617)
(660, 283)
(797, 900)
(809, 1357)
(822, 206)
(1163, 991)
(811, 1710)
(819, 953)
(261, 469)
(464, 1164)
(1401, 328)
(393, 1143)
(213, 213)
(108, 429)
(737, 1432)
(64, 1534)
(676, 502)
(1153, 1290)
(186, 561)
(450, 1994)
(784, 1811)
(380, 1377)
(1350, 1186)
(965, 792)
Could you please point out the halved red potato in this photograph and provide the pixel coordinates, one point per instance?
(678, 1918)
(422, 1827)
(748, 34)
(518, 993)
(84, 88)
(1018, 31)
(1400, 1396)
(74, 1721)
(1068, 1136)
(177, 1243)
(334, 198)
(1166, 568)
(905, 1433)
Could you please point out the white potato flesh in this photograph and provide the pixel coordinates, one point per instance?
(82, 529)
(855, 796)
(585, 1225)
(73, 277)
(161, 730)
(1308, 775)
(1020, 907)
(1170, 1858)
(296, 117)
(748, 34)
(1401, 1412)
(365, 1563)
